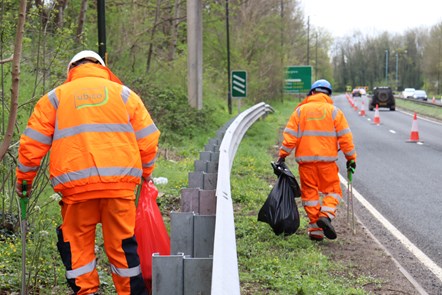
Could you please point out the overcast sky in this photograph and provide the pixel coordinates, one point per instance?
(342, 17)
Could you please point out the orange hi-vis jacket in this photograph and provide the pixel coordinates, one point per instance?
(100, 134)
(316, 130)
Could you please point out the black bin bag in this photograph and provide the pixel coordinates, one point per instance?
(280, 210)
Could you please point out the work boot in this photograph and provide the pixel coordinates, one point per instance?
(329, 230)
(315, 233)
(315, 238)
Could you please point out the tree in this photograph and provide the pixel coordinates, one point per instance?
(432, 61)
(15, 78)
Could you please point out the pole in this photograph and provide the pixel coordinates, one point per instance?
(229, 94)
(308, 40)
(316, 57)
(101, 30)
(397, 63)
(23, 207)
(350, 172)
(386, 65)
(438, 71)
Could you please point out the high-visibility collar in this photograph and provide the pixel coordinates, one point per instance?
(92, 70)
(318, 97)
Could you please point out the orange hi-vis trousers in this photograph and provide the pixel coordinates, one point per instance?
(76, 244)
(320, 177)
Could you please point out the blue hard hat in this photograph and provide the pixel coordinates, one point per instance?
(321, 86)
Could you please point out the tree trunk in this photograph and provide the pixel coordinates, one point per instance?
(15, 78)
(174, 31)
(61, 6)
(152, 34)
(81, 20)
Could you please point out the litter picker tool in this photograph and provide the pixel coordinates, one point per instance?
(350, 207)
(24, 199)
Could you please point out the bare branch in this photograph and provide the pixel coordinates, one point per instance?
(7, 60)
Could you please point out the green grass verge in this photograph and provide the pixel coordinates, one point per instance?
(429, 111)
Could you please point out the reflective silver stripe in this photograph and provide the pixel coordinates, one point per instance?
(25, 169)
(316, 159)
(286, 149)
(331, 216)
(318, 133)
(334, 113)
(38, 136)
(313, 225)
(94, 171)
(125, 94)
(327, 209)
(53, 98)
(150, 164)
(75, 273)
(146, 131)
(310, 203)
(92, 128)
(316, 233)
(335, 196)
(350, 153)
(290, 131)
(126, 272)
(344, 131)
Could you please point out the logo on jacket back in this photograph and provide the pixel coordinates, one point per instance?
(91, 97)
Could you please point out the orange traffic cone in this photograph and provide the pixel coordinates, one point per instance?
(414, 135)
(377, 119)
(362, 112)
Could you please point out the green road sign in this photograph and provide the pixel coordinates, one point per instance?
(298, 79)
(239, 84)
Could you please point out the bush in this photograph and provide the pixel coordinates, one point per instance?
(172, 114)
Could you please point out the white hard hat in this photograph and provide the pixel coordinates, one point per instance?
(86, 54)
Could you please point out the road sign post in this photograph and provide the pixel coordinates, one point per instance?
(239, 84)
(298, 79)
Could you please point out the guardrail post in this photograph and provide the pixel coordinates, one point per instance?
(197, 276)
(167, 274)
(181, 233)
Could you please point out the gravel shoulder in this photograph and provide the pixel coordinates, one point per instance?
(362, 255)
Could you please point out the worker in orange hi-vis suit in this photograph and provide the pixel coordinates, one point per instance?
(316, 130)
(103, 143)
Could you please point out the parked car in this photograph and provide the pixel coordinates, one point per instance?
(356, 93)
(420, 94)
(408, 92)
(383, 97)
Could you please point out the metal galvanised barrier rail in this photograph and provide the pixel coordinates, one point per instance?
(225, 274)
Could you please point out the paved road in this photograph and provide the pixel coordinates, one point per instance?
(403, 181)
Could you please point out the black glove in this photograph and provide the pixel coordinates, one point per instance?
(280, 160)
(279, 166)
(19, 187)
(351, 166)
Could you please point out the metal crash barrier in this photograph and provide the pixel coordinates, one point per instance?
(203, 256)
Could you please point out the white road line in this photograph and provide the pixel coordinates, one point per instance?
(392, 131)
(424, 259)
(420, 117)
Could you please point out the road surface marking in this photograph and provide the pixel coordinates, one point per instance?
(424, 259)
